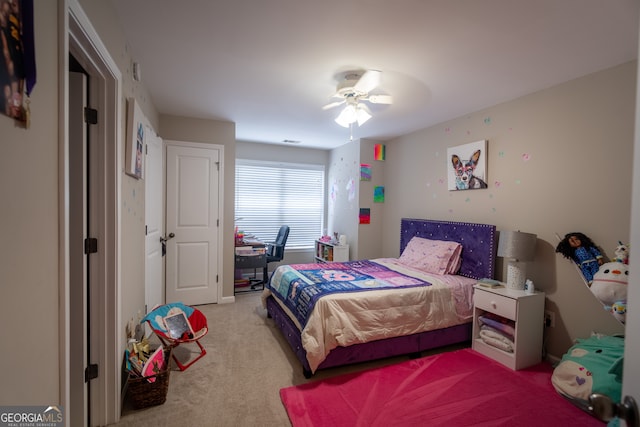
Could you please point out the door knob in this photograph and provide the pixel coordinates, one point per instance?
(163, 242)
(169, 237)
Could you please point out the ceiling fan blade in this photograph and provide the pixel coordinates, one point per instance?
(380, 99)
(333, 104)
(369, 81)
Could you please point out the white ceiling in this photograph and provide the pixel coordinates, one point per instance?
(270, 65)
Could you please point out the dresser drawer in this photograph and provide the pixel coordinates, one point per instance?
(498, 304)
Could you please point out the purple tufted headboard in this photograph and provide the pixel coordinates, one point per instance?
(478, 242)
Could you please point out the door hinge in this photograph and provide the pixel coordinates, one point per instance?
(218, 166)
(90, 245)
(146, 230)
(91, 372)
(90, 116)
(216, 278)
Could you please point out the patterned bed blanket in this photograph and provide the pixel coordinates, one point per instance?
(393, 303)
(299, 286)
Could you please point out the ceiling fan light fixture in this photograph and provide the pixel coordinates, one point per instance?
(362, 115)
(353, 113)
(353, 89)
(347, 116)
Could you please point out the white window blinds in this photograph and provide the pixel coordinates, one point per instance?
(270, 194)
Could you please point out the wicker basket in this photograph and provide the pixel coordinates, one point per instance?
(143, 393)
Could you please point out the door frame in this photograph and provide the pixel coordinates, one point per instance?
(79, 38)
(79, 341)
(631, 370)
(220, 148)
(149, 187)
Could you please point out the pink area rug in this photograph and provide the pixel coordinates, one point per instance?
(458, 388)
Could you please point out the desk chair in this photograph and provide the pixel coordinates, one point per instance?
(275, 250)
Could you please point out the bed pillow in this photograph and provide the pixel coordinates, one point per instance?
(432, 256)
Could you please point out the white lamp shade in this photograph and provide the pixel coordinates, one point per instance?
(347, 116)
(362, 115)
(517, 245)
(353, 113)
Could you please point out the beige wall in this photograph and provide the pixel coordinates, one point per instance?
(343, 194)
(370, 235)
(559, 160)
(132, 191)
(29, 228)
(365, 240)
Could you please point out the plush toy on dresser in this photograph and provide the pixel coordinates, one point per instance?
(609, 285)
(622, 253)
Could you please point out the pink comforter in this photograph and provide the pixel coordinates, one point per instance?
(352, 318)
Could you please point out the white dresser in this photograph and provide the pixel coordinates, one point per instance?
(526, 310)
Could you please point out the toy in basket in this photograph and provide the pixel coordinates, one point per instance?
(177, 323)
(151, 388)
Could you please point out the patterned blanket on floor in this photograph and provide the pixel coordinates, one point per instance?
(299, 286)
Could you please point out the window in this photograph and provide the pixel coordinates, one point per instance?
(270, 194)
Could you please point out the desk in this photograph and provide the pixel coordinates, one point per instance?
(250, 254)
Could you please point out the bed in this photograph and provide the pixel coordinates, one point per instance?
(334, 314)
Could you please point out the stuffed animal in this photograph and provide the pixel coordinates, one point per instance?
(622, 253)
(592, 365)
(619, 311)
(610, 284)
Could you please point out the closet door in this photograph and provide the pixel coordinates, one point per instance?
(193, 213)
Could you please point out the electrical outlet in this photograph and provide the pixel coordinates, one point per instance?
(549, 319)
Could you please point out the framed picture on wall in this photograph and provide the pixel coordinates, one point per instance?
(134, 161)
(467, 166)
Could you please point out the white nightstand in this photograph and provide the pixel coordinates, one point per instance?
(526, 310)
(331, 252)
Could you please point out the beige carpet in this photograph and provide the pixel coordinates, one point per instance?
(237, 382)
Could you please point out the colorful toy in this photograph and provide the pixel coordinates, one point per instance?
(622, 253)
(580, 249)
(619, 311)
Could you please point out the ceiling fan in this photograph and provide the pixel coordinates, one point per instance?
(355, 87)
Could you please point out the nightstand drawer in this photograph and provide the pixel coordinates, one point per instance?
(498, 304)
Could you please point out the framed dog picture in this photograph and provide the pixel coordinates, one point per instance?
(467, 166)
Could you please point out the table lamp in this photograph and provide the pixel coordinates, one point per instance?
(519, 248)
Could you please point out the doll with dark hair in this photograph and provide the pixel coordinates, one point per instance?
(581, 250)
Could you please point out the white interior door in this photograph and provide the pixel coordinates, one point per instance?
(154, 220)
(193, 214)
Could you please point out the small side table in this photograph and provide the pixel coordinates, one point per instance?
(526, 310)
